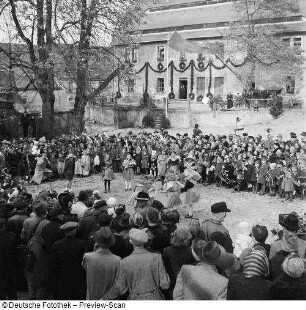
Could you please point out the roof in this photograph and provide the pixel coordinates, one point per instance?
(202, 19)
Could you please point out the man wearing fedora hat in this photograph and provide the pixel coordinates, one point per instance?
(219, 211)
(142, 274)
(66, 259)
(101, 266)
(202, 282)
(289, 241)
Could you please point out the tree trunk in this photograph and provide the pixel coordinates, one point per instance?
(79, 111)
(47, 124)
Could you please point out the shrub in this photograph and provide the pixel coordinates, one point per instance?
(276, 110)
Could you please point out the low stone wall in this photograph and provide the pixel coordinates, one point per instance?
(102, 115)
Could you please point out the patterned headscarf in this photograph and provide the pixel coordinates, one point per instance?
(256, 264)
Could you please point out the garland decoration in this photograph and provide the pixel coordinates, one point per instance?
(182, 65)
(191, 76)
(191, 96)
(210, 75)
(146, 78)
(171, 95)
(171, 77)
(201, 65)
(200, 98)
(160, 66)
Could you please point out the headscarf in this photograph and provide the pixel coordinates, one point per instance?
(256, 264)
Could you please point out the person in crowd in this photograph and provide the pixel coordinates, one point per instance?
(252, 283)
(142, 274)
(218, 214)
(69, 167)
(85, 163)
(202, 282)
(36, 275)
(176, 255)
(41, 172)
(259, 235)
(162, 160)
(102, 267)
(66, 260)
(289, 241)
(8, 263)
(243, 240)
(291, 285)
(128, 171)
(108, 173)
(80, 206)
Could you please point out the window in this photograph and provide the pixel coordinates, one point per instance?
(183, 56)
(70, 87)
(131, 85)
(290, 85)
(160, 53)
(286, 41)
(201, 84)
(297, 42)
(134, 55)
(160, 85)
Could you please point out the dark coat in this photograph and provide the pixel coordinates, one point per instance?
(161, 237)
(288, 288)
(66, 260)
(174, 258)
(242, 288)
(122, 246)
(276, 264)
(51, 233)
(15, 223)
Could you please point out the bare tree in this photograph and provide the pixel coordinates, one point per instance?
(255, 35)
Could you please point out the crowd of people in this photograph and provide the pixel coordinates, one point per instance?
(62, 247)
(57, 247)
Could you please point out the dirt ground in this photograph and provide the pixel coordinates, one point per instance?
(244, 206)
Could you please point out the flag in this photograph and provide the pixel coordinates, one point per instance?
(178, 43)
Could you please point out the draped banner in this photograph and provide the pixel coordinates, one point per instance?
(178, 43)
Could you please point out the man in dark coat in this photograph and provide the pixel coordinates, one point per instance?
(161, 236)
(8, 256)
(88, 222)
(214, 224)
(66, 260)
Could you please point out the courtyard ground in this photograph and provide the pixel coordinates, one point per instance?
(249, 207)
(245, 206)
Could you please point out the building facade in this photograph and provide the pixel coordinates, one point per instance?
(171, 71)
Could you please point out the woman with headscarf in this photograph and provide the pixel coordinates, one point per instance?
(251, 283)
(291, 285)
(85, 163)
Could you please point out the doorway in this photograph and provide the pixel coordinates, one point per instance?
(183, 88)
(219, 84)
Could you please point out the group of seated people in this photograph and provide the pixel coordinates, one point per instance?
(66, 248)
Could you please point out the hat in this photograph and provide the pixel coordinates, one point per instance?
(292, 135)
(219, 207)
(245, 134)
(20, 203)
(120, 209)
(124, 220)
(40, 208)
(152, 215)
(64, 199)
(293, 266)
(157, 205)
(100, 204)
(111, 202)
(138, 236)
(291, 222)
(143, 196)
(69, 226)
(104, 237)
(209, 252)
(57, 210)
(303, 134)
(104, 219)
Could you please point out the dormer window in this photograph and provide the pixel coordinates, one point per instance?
(160, 53)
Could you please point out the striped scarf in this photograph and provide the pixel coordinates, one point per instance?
(256, 264)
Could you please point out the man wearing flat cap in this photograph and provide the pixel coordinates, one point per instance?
(66, 259)
(214, 224)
